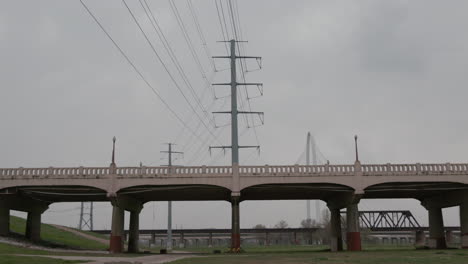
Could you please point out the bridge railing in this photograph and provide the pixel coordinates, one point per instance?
(415, 169)
(44, 173)
(174, 171)
(226, 171)
(296, 170)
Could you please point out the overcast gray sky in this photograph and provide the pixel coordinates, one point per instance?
(393, 72)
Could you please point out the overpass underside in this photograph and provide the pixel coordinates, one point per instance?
(342, 186)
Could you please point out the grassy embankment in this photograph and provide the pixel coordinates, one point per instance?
(51, 236)
(55, 237)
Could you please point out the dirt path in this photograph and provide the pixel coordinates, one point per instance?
(153, 259)
(78, 233)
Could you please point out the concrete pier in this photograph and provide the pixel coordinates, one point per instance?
(33, 225)
(235, 233)
(134, 235)
(336, 240)
(449, 237)
(4, 219)
(420, 239)
(353, 235)
(436, 228)
(210, 240)
(117, 230)
(464, 224)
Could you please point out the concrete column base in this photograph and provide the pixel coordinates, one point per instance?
(420, 239)
(336, 241)
(134, 235)
(437, 243)
(235, 232)
(464, 241)
(448, 237)
(4, 220)
(464, 223)
(353, 236)
(353, 240)
(116, 238)
(436, 229)
(33, 226)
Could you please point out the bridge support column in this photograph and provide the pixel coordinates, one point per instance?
(33, 225)
(353, 235)
(436, 228)
(336, 240)
(464, 224)
(134, 232)
(182, 241)
(117, 230)
(235, 231)
(449, 237)
(420, 239)
(4, 219)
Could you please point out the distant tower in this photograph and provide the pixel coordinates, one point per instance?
(87, 208)
(311, 146)
(86, 216)
(169, 203)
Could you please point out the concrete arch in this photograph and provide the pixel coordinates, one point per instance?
(412, 189)
(294, 191)
(348, 180)
(56, 193)
(125, 182)
(176, 192)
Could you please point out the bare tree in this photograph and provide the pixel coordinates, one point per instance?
(261, 238)
(282, 224)
(282, 237)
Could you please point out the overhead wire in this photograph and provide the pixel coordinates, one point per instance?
(129, 61)
(172, 56)
(201, 34)
(165, 67)
(187, 38)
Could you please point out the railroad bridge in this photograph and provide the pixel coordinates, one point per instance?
(341, 186)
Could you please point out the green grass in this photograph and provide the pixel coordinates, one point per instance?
(10, 249)
(56, 236)
(6, 249)
(91, 233)
(399, 256)
(35, 260)
(258, 249)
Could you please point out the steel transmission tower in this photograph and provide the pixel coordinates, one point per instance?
(235, 199)
(86, 216)
(234, 111)
(169, 203)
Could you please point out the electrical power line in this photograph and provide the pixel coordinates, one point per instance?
(165, 67)
(129, 61)
(173, 57)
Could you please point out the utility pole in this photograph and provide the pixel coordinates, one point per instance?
(308, 163)
(234, 111)
(169, 203)
(235, 195)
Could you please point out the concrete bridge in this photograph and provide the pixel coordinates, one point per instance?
(340, 186)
